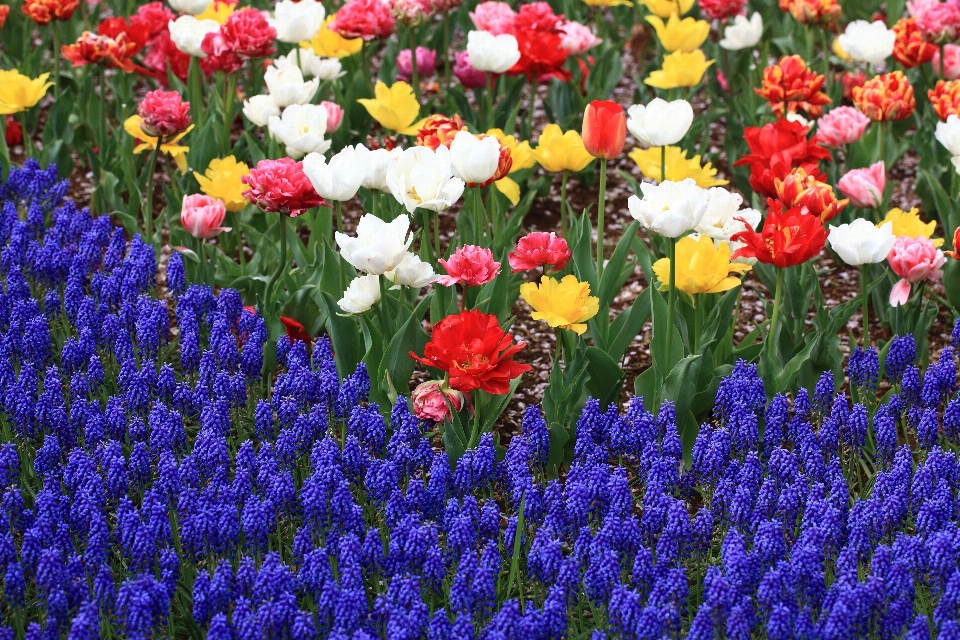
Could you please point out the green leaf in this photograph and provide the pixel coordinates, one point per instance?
(664, 362)
(397, 363)
(676, 388)
(606, 376)
(344, 335)
(626, 326)
(613, 272)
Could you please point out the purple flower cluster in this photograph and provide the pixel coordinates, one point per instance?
(150, 488)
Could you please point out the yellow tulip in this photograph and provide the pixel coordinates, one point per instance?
(522, 156)
(680, 70)
(330, 44)
(147, 143)
(678, 166)
(395, 107)
(557, 151)
(222, 180)
(565, 305)
(667, 8)
(702, 267)
(607, 3)
(218, 11)
(680, 35)
(908, 223)
(19, 93)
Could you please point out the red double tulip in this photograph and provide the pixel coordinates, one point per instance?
(810, 192)
(475, 352)
(604, 129)
(788, 237)
(775, 150)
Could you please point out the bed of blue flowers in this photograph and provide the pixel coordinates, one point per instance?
(152, 486)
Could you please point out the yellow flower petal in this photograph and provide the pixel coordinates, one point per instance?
(222, 180)
(908, 223)
(520, 152)
(394, 107)
(680, 70)
(557, 151)
(19, 93)
(606, 3)
(566, 304)
(679, 167)
(509, 188)
(667, 8)
(218, 11)
(680, 35)
(702, 267)
(330, 44)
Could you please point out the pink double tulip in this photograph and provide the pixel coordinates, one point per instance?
(202, 216)
(334, 115)
(468, 76)
(914, 260)
(164, 113)
(951, 62)
(865, 187)
(426, 63)
(841, 126)
(430, 400)
(469, 265)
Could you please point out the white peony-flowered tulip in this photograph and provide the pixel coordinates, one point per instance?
(411, 272)
(422, 178)
(187, 34)
(742, 33)
(259, 109)
(869, 42)
(378, 246)
(474, 160)
(670, 208)
(361, 294)
(288, 87)
(341, 178)
(301, 127)
(298, 21)
(490, 53)
(660, 123)
(861, 242)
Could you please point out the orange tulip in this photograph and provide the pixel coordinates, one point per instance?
(44, 11)
(604, 129)
(910, 49)
(812, 11)
(945, 98)
(800, 189)
(790, 85)
(439, 130)
(886, 97)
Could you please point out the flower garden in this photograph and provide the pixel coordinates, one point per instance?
(484, 320)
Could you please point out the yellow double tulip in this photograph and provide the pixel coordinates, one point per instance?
(908, 223)
(680, 70)
(680, 35)
(702, 267)
(679, 167)
(557, 151)
(222, 180)
(19, 93)
(566, 304)
(394, 107)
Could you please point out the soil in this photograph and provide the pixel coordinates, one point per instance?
(840, 283)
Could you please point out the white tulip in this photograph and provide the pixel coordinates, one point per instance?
(310, 64)
(379, 246)
(743, 33)
(187, 34)
(340, 179)
(328, 69)
(869, 42)
(660, 123)
(259, 109)
(494, 54)
(298, 21)
(192, 7)
(670, 208)
(421, 177)
(378, 162)
(861, 242)
(411, 272)
(948, 134)
(287, 86)
(474, 160)
(721, 219)
(301, 127)
(361, 294)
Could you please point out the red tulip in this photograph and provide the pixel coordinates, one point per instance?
(295, 330)
(788, 237)
(604, 129)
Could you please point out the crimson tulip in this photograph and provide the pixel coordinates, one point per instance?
(604, 129)
(788, 237)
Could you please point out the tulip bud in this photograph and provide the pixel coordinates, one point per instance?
(202, 216)
(430, 401)
(334, 115)
(604, 129)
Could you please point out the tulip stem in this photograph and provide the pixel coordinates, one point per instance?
(671, 297)
(563, 203)
(446, 50)
(772, 337)
(942, 58)
(102, 142)
(880, 137)
(339, 217)
(239, 233)
(414, 72)
(436, 236)
(365, 69)
(865, 301)
(230, 92)
(148, 196)
(281, 265)
(601, 207)
(27, 138)
(663, 164)
(56, 60)
(489, 115)
(202, 254)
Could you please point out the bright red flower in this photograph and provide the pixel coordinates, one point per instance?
(536, 16)
(790, 85)
(439, 130)
(295, 330)
(164, 113)
(945, 98)
(541, 54)
(775, 150)
(154, 16)
(14, 132)
(604, 129)
(788, 237)
(813, 11)
(43, 12)
(539, 249)
(810, 192)
(367, 19)
(474, 352)
(910, 49)
(721, 9)
(955, 254)
(114, 44)
(886, 97)
(470, 266)
(4, 12)
(162, 53)
(245, 34)
(281, 186)
(851, 81)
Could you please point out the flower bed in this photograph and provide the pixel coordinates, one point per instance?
(153, 486)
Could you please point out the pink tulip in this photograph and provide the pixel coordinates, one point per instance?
(430, 401)
(914, 260)
(578, 38)
(469, 265)
(469, 77)
(939, 22)
(334, 115)
(951, 66)
(202, 216)
(843, 125)
(539, 249)
(495, 17)
(865, 187)
(426, 63)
